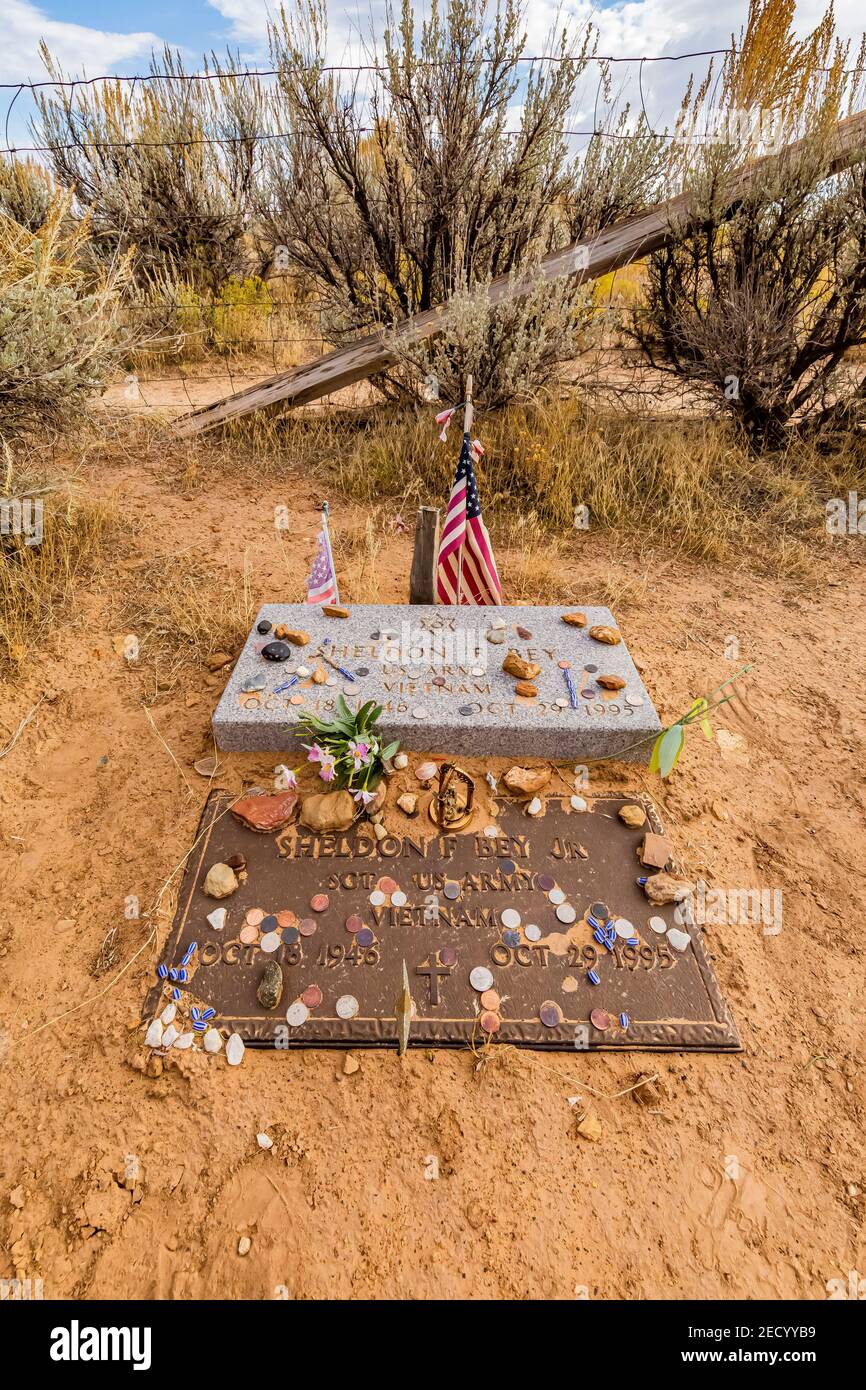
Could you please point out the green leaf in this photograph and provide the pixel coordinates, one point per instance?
(389, 752)
(669, 748)
(343, 708)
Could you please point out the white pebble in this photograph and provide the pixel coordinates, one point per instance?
(535, 806)
(680, 940)
(270, 941)
(184, 1041)
(217, 918)
(212, 1040)
(419, 712)
(264, 1141)
(400, 761)
(153, 1037)
(303, 671)
(235, 1050)
(168, 1013)
(169, 1035)
(244, 1244)
(498, 622)
(492, 832)
(578, 803)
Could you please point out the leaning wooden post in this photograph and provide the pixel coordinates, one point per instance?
(422, 579)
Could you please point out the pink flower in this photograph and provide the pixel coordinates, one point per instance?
(315, 754)
(326, 771)
(365, 796)
(360, 752)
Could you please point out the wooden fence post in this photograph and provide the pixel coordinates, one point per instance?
(422, 580)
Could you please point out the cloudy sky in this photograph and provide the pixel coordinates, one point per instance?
(112, 36)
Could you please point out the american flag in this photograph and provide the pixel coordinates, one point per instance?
(465, 567)
(322, 583)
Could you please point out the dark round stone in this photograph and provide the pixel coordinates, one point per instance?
(546, 882)
(236, 862)
(276, 651)
(362, 670)
(466, 710)
(269, 991)
(264, 626)
(591, 670)
(447, 955)
(269, 923)
(288, 934)
(364, 937)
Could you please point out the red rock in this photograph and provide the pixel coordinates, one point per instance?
(266, 813)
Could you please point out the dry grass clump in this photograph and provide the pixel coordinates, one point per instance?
(38, 578)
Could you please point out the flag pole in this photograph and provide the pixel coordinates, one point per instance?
(467, 426)
(326, 533)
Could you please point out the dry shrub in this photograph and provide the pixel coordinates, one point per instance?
(38, 582)
(181, 610)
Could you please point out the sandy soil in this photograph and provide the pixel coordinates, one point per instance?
(748, 1179)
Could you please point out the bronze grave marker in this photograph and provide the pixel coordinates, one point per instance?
(452, 906)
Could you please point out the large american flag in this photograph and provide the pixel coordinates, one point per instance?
(465, 567)
(322, 583)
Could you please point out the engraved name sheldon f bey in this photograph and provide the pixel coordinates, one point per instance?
(77, 1343)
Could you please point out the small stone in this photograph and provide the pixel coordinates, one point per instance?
(208, 767)
(574, 619)
(320, 676)
(425, 772)
(334, 610)
(153, 1036)
(632, 816)
(220, 882)
(276, 651)
(379, 831)
(401, 760)
(655, 851)
(296, 636)
(191, 700)
(665, 888)
(524, 634)
(184, 1041)
(648, 1091)
(270, 986)
(408, 803)
(578, 803)
(167, 1016)
(350, 1064)
(264, 1141)
(244, 1244)
(266, 814)
(526, 781)
(169, 1035)
(496, 635)
(719, 811)
(419, 712)
(608, 635)
(217, 918)
(212, 1040)
(611, 682)
(526, 690)
(535, 806)
(515, 665)
(303, 672)
(589, 1127)
(680, 940)
(327, 811)
(235, 1050)
(263, 627)
(218, 660)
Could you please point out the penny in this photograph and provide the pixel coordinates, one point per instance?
(511, 938)
(490, 1022)
(507, 866)
(564, 665)
(330, 680)
(399, 898)
(590, 670)
(270, 941)
(600, 1019)
(510, 917)
(248, 935)
(254, 917)
(451, 890)
(347, 1006)
(312, 996)
(365, 937)
(480, 978)
(307, 926)
(387, 885)
(438, 680)
(658, 925)
(320, 902)
(447, 955)
(490, 1000)
(550, 1014)
(296, 699)
(362, 670)
(556, 896)
(546, 882)
(623, 927)
(565, 913)
(532, 932)
(377, 897)
(600, 911)
(269, 923)
(297, 1013)
(289, 935)
(354, 923)
(588, 693)
(286, 918)
(466, 710)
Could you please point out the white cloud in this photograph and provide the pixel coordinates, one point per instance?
(76, 47)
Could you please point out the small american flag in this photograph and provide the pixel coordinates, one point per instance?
(322, 583)
(465, 567)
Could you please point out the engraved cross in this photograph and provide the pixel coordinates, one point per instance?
(432, 969)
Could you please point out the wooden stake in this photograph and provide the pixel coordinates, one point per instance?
(422, 579)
